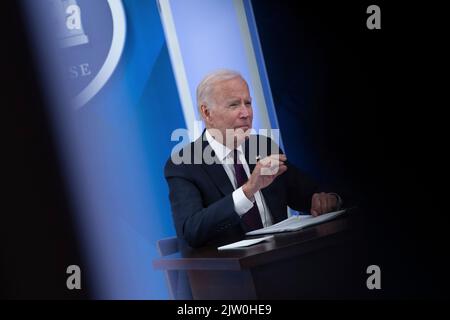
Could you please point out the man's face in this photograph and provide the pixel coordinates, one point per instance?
(231, 109)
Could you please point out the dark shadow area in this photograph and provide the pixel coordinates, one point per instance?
(38, 240)
(355, 113)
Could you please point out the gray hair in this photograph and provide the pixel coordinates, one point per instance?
(206, 86)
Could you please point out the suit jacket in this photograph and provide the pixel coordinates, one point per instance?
(201, 194)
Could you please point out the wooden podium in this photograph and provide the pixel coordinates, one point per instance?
(312, 263)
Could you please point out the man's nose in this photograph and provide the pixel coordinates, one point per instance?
(245, 112)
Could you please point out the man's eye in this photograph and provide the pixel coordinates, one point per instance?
(234, 105)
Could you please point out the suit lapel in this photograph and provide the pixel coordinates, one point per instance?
(216, 171)
(269, 196)
(219, 177)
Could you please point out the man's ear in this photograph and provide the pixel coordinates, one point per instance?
(205, 112)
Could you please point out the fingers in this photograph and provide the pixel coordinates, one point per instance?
(322, 203)
(282, 169)
(326, 204)
(279, 171)
(280, 157)
(273, 158)
(267, 170)
(273, 165)
(273, 168)
(332, 202)
(315, 205)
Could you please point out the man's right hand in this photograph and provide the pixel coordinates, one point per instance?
(265, 172)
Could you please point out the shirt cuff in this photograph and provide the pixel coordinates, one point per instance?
(241, 203)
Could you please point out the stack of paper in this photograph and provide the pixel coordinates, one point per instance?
(295, 223)
(244, 243)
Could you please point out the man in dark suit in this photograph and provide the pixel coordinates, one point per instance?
(229, 182)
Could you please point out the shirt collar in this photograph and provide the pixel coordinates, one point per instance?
(219, 149)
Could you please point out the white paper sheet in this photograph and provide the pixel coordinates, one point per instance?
(295, 223)
(243, 243)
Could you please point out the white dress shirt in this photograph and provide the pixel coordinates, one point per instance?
(241, 203)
